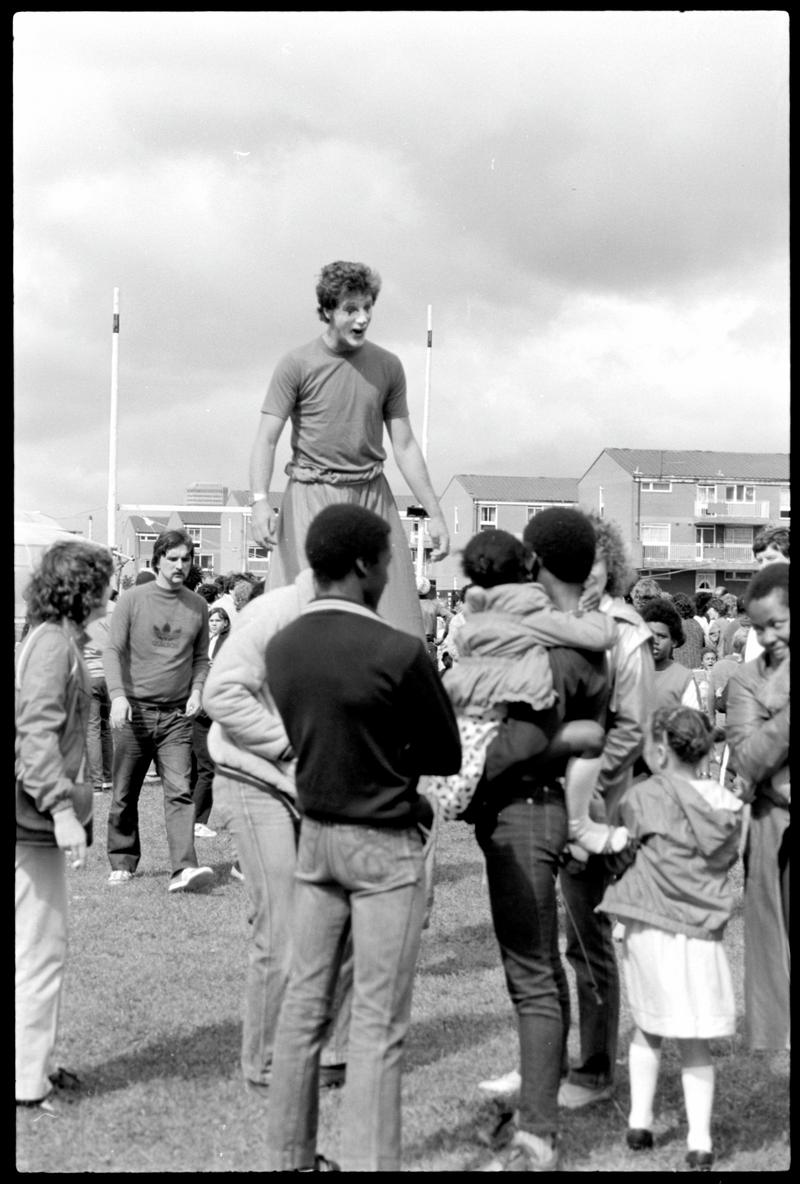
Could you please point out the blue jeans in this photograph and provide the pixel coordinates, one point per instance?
(590, 952)
(99, 745)
(162, 734)
(202, 768)
(266, 846)
(371, 879)
(522, 845)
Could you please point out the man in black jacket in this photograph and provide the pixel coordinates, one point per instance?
(366, 715)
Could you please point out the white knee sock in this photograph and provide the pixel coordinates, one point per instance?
(643, 1065)
(698, 1097)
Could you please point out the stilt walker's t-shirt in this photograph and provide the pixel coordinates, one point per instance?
(338, 404)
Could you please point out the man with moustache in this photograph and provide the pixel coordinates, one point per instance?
(156, 663)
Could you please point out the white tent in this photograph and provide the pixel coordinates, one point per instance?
(33, 533)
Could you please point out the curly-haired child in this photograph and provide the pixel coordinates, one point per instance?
(675, 900)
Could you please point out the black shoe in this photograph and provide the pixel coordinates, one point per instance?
(638, 1139)
(332, 1076)
(321, 1164)
(700, 1161)
(65, 1079)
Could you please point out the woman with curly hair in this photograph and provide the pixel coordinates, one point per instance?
(590, 946)
(340, 391)
(68, 590)
(674, 684)
(675, 900)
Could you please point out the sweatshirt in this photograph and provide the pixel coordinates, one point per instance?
(158, 645)
(365, 712)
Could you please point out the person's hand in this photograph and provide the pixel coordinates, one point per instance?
(439, 537)
(120, 712)
(70, 837)
(590, 598)
(194, 703)
(264, 524)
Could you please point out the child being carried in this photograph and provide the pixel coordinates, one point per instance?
(509, 622)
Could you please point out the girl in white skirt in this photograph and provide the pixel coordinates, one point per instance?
(675, 900)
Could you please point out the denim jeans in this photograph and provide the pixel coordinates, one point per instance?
(162, 734)
(99, 744)
(590, 952)
(522, 845)
(371, 879)
(202, 769)
(264, 835)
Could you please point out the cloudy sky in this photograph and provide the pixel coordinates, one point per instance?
(594, 205)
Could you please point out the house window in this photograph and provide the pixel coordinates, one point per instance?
(705, 536)
(656, 487)
(534, 510)
(147, 538)
(706, 493)
(741, 535)
(785, 505)
(195, 533)
(206, 562)
(487, 517)
(655, 540)
(256, 552)
(740, 493)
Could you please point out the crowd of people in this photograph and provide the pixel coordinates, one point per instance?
(613, 747)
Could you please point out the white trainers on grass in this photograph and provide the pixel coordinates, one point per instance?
(120, 876)
(190, 879)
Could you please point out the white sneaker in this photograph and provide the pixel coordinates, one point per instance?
(501, 1087)
(121, 876)
(190, 879)
(201, 831)
(574, 1097)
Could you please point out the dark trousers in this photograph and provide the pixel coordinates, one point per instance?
(202, 769)
(99, 744)
(164, 735)
(590, 952)
(522, 846)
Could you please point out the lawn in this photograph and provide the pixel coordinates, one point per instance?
(151, 1023)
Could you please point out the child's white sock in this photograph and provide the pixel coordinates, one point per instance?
(579, 785)
(644, 1062)
(698, 1097)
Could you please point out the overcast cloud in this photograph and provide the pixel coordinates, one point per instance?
(594, 204)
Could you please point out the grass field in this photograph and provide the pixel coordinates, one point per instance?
(150, 1021)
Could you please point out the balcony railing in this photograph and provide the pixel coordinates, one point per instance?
(731, 510)
(689, 554)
